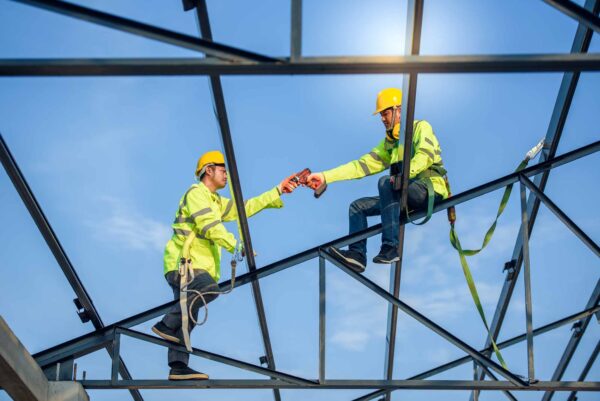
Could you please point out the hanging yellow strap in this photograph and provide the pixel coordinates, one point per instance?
(490, 231)
(467, 272)
(463, 253)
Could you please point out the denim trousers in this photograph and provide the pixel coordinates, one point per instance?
(387, 204)
(202, 282)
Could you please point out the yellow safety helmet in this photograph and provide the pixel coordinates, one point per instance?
(387, 98)
(208, 159)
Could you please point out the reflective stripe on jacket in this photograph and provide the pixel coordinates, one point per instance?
(426, 152)
(203, 212)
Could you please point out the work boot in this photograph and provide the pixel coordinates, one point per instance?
(388, 254)
(355, 260)
(186, 373)
(165, 332)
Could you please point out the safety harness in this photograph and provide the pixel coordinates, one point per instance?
(186, 276)
(438, 170)
(435, 170)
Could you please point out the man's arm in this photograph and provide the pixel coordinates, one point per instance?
(371, 163)
(266, 200)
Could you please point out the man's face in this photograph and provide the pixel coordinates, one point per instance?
(218, 175)
(387, 115)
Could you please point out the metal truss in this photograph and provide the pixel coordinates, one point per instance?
(109, 335)
(220, 59)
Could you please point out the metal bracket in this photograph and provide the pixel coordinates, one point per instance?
(81, 312)
(263, 360)
(510, 269)
(577, 328)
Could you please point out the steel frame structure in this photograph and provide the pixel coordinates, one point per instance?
(220, 59)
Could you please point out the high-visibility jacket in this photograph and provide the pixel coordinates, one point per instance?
(203, 212)
(425, 163)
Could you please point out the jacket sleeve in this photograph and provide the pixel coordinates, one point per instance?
(267, 200)
(371, 163)
(207, 223)
(424, 144)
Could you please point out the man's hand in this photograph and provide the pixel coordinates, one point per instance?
(239, 252)
(315, 180)
(288, 185)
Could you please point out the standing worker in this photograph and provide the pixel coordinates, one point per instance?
(202, 211)
(426, 181)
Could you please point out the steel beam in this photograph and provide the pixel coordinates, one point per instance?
(148, 31)
(527, 281)
(586, 370)
(116, 348)
(344, 385)
(476, 355)
(43, 225)
(234, 182)
(322, 318)
(507, 393)
(217, 358)
(414, 22)
(577, 12)
(530, 63)
(512, 341)
(296, 31)
(573, 343)
(562, 216)
(581, 43)
(58, 352)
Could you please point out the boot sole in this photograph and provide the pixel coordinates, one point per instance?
(194, 376)
(165, 336)
(353, 264)
(385, 261)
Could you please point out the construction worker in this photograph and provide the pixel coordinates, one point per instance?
(425, 165)
(202, 211)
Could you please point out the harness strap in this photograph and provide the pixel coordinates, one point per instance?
(490, 231)
(435, 170)
(185, 270)
(430, 200)
(463, 253)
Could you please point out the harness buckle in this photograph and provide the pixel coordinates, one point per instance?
(510, 269)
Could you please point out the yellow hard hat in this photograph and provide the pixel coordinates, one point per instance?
(387, 98)
(207, 159)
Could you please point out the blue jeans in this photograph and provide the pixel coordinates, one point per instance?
(387, 204)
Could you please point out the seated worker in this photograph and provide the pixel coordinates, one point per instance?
(202, 211)
(425, 164)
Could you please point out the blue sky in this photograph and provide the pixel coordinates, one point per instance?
(109, 158)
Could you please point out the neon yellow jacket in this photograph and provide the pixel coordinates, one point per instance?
(426, 152)
(203, 212)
